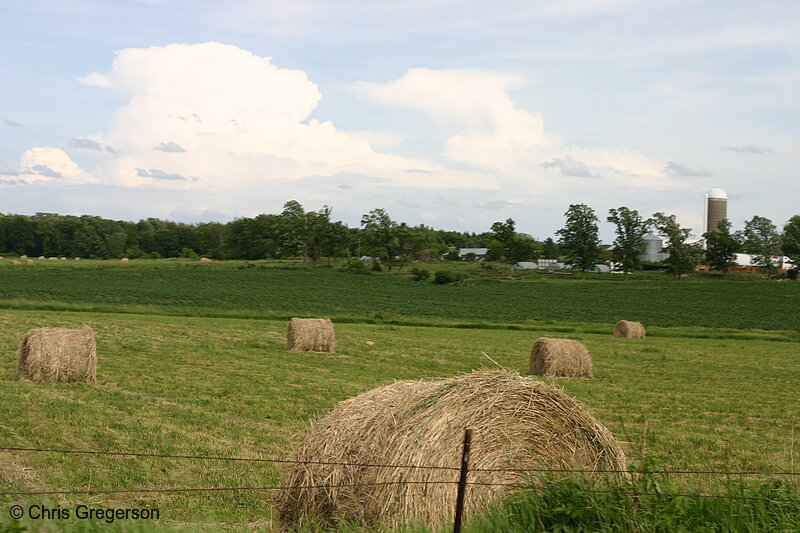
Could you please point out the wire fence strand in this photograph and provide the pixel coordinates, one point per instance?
(640, 472)
(419, 467)
(472, 483)
(632, 493)
(222, 489)
(220, 458)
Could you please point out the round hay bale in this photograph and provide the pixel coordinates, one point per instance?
(517, 423)
(52, 258)
(310, 335)
(560, 358)
(206, 260)
(631, 330)
(124, 260)
(58, 354)
(23, 257)
(41, 257)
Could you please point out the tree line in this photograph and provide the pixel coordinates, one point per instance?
(293, 233)
(760, 238)
(314, 236)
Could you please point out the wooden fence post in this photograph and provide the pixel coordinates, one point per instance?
(462, 481)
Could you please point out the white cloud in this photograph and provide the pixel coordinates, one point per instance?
(94, 79)
(46, 164)
(679, 169)
(569, 167)
(750, 149)
(244, 121)
(487, 130)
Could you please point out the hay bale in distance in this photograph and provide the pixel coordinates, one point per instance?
(29, 261)
(631, 330)
(77, 259)
(52, 258)
(23, 257)
(310, 335)
(15, 262)
(41, 257)
(560, 358)
(205, 260)
(58, 354)
(124, 260)
(517, 423)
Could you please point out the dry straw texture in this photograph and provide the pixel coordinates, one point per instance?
(560, 358)
(517, 423)
(58, 354)
(626, 328)
(310, 335)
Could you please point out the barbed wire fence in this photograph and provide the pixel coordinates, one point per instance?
(462, 483)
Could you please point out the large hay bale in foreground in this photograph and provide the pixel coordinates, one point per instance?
(631, 330)
(310, 335)
(58, 354)
(560, 358)
(517, 423)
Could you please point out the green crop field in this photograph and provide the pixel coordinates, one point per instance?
(233, 289)
(216, 385)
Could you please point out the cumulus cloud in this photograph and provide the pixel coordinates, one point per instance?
(487, 130)
(95, 80)
(750, 149)
(169, 147)
(47, 172)
(161, 175)
(46, 164)
(86, 144)
(11, 123)
(679, 169)
(198, 213)
(245, 120)
(569, 167)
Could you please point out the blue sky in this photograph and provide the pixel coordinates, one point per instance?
(451, 114)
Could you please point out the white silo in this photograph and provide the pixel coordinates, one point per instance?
(716, 208)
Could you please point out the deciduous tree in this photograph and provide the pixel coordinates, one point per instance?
(683, 256)
(763, 242)
(629, 244)
(722, 246)
(580, 238)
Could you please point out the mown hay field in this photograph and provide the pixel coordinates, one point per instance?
(228, 387)
(218, 289)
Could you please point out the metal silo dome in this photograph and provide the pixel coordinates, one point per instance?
(717, 194)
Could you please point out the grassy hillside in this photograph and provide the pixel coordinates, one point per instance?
(227, 387)
(234, 289)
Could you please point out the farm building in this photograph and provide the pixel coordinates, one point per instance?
(479, 253)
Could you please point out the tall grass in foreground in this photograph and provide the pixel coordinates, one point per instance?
(649, 505)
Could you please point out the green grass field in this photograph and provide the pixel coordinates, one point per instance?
(225, 386)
